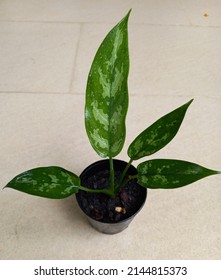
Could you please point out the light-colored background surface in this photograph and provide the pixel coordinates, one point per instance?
(46, 48)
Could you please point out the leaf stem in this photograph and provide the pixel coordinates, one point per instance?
(127, 179)
(112, 188)
(132, 177)
(107, 192)
(120, 184)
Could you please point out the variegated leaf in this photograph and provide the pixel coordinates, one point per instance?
(49, 182)
(107, 93)
(159, 134)
(169, 173)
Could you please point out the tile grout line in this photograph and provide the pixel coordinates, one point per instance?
(190, 25)
(75, 58)
(131, 95)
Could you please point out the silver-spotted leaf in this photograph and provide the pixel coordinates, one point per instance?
(49, 182)
(159, 134)
(170, 173)
(107, 93)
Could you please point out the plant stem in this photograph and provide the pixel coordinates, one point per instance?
(111, 191)
(127, 179)
(107, 192)
(124, 174)
(132, 177)
(112, 188)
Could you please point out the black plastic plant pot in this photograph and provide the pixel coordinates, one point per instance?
(110, 215)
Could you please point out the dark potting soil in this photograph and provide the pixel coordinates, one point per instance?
(106, 209)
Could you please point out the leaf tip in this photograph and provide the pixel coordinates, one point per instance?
(7, 186)
(127, 15)
(191, 100)
(129, 11)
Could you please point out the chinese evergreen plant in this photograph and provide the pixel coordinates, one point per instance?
(105, 114)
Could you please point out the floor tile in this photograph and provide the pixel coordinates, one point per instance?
(37, 57)
(203, 13)
(41, 130)
(159, 12)
(185, 63)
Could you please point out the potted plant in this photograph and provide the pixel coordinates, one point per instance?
(110, 192)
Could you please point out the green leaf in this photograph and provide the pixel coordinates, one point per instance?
(49, 182)
(169, 173)
(107, 93)
(158, 135)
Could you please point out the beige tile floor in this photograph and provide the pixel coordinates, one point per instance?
(46, 48)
